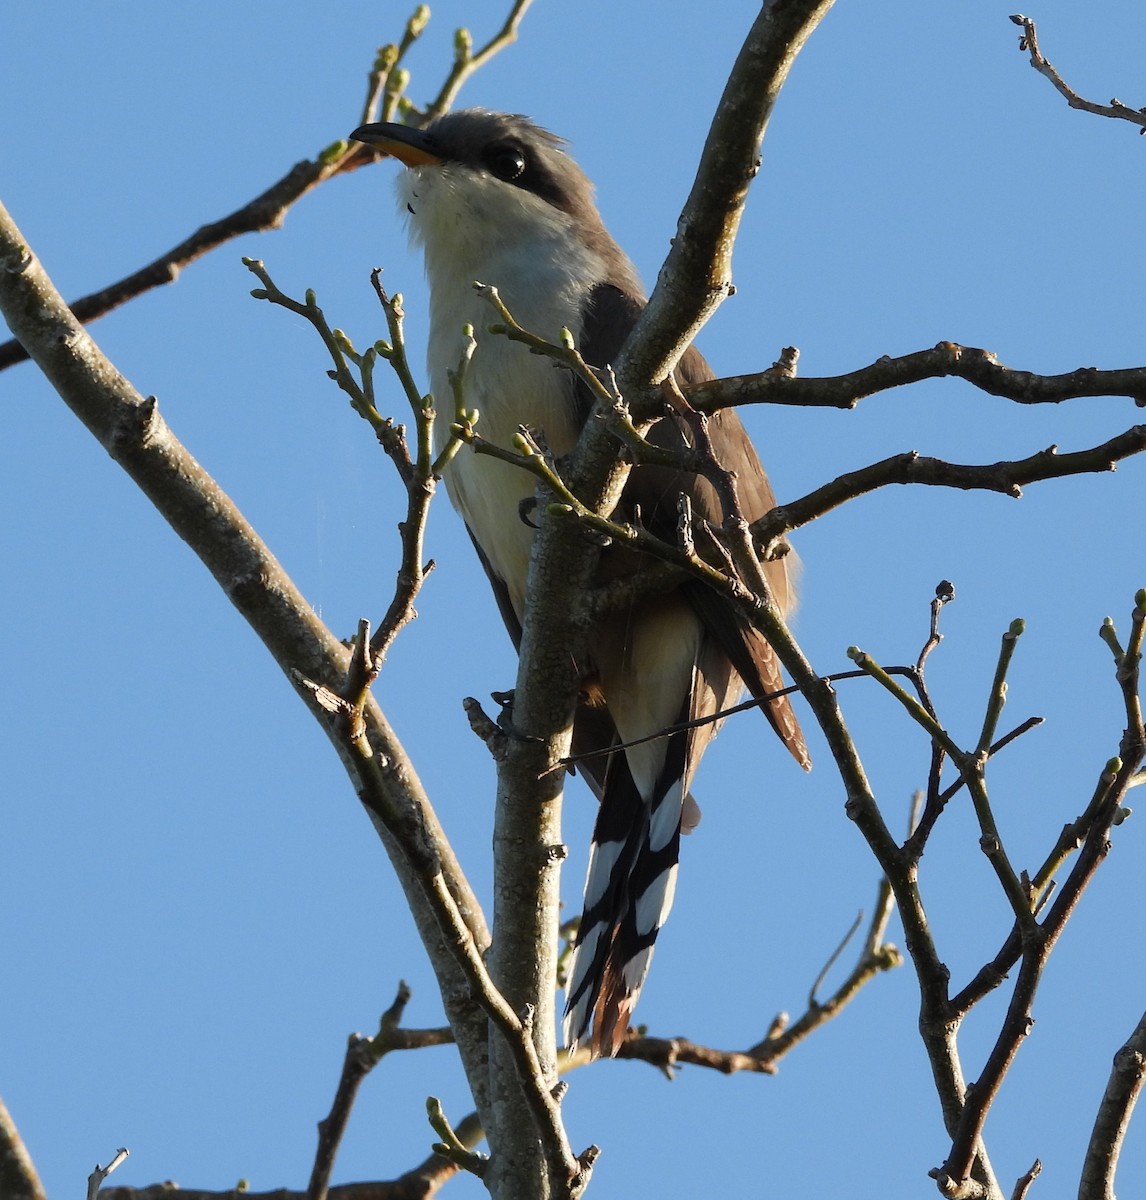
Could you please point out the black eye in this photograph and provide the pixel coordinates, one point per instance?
(506, 162)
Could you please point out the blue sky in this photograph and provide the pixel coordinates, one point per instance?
(194, 911)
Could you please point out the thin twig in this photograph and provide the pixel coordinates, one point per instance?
(1036, 942)
(96, 1178)
(363, 1054)
(466, 62)
(875, 958)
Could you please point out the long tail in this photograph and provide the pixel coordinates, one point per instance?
(628, 895)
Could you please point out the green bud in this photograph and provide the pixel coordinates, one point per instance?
(333, 152)
(463, 44)
(384, 349)
(566, 338)
(399, 81)
(855, 653)
(311, 298)
(1017, 627)
(1140, 599)
(259, 293)
(386, 57)
(419, 20)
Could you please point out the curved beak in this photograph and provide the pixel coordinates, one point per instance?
(412, 147)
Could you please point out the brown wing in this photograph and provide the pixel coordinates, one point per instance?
(653, 491)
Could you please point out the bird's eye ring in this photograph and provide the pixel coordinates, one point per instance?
(506, 162)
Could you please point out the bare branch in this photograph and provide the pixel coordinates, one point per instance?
(137, 438)
(1008, 477)
(1023, 1183)
(1092, 833)
(420, 1183)
(876, 957)
(96, 1178)
(363, 1054)
(1030, 42)
(780, 385)
(466, 62)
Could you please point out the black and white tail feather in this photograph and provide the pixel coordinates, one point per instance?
(629, 892)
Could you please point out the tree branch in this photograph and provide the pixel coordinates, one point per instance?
(1104, 810)
(1007, 477)
(1030, 42)
(135, 435)
(876, 956)
(780, 385)
(1126, 1078)
(363, 1054)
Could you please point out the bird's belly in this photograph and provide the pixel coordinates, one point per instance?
(486, 491)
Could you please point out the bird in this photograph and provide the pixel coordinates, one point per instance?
(496, 198)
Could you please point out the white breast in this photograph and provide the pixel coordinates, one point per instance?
(543, 275)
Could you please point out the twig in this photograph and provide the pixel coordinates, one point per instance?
(466, 62)
(363, 1054)
(833, 958)
(944, 594)
(417, 472)
(1023, 1183)
(451, 1146)
(784, 1035)
(99, 1174)
(1030, 42)
(971, 765)
(1092, 834)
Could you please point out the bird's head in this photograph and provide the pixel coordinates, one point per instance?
(490, 178)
